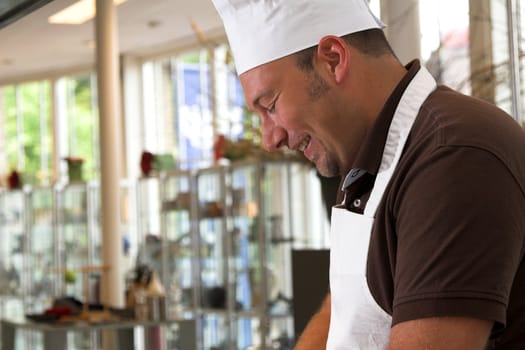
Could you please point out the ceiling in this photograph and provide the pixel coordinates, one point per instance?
(31, 48)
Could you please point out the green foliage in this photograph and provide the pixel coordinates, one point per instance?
(85, 125)
(32, 134)
(194, 57)
(10, 126)
(24, 136)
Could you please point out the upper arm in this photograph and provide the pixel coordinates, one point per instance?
(459, 240)
(315, 334)
(451, 333)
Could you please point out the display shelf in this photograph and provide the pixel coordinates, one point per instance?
(72, 235)
(216, 299)
(219, 238)
(13, 242)
(249, 255)
(246, 216)
(178, 215)
(43, 284)
(78, 241)
(213, 335)
(13, 252)
(165, 213)
(148, 222)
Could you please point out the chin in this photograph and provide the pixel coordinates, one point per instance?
(327, 168)
(326, 172)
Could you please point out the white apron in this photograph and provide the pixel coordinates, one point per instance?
(357, 321)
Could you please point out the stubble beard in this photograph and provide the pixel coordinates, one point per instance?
(327, 165)
(317, 88)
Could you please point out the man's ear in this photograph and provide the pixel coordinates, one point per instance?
(334, 55)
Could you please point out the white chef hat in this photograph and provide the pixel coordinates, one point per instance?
(260, 31)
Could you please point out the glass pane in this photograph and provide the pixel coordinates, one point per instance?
(41, 261)
(501, 55)
(178, 215)
(247, 241)
(27, 127)
(213, 235)
(13, 242)
(231, 115)
(194, 124)
(445, 41)
(11, 133)
(73, 237)
(214, 332)
(79, 122)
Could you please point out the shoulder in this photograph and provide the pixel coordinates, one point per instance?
(451, 225)
(458, 119)
(449, 120)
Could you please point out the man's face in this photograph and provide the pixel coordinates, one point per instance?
(299, 110)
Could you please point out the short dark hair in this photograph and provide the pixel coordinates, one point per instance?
(370, 42)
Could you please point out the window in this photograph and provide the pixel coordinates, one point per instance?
(27, 129)
(77, 123)
(188, 100)
(466, 46)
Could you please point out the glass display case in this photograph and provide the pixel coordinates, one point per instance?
(177, 224)
(248, 254)
(261, 202)
(165, 219)
(42, 280)
(13, 249)
(13, 243)
(283, 189)
(219, 238)
(72, 237)
(216, 290)
(148, 223)
(248, 223)
(78, 247)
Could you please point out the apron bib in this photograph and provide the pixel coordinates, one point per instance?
(357, 321)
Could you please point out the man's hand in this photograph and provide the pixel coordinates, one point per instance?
(451, 333)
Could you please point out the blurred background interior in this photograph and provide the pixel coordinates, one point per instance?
(133, 185)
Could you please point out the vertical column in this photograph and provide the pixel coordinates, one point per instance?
(482, 77)
(109, 112)
(403, 27)
(44, 135)
(95, 135)
(59, 124)
(20, 157)
(212, 93)
(132, 103)
(514, 58)
(168, 115)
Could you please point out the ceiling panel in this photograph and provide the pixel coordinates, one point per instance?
(31, 48)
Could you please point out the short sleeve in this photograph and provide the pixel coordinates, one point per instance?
(460, 227)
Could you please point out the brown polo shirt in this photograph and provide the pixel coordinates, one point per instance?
(448, 238)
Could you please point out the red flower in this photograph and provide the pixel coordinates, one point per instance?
(146, 162)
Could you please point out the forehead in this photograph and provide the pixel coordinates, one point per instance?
(265, 78)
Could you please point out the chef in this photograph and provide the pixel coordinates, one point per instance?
(427, 244)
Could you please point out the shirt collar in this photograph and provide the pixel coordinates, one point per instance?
(370, 153)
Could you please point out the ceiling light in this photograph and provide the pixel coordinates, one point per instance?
(77, 13)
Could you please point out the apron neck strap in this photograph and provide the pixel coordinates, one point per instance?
(406, 112)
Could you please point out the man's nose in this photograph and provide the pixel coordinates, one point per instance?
(273, 135)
